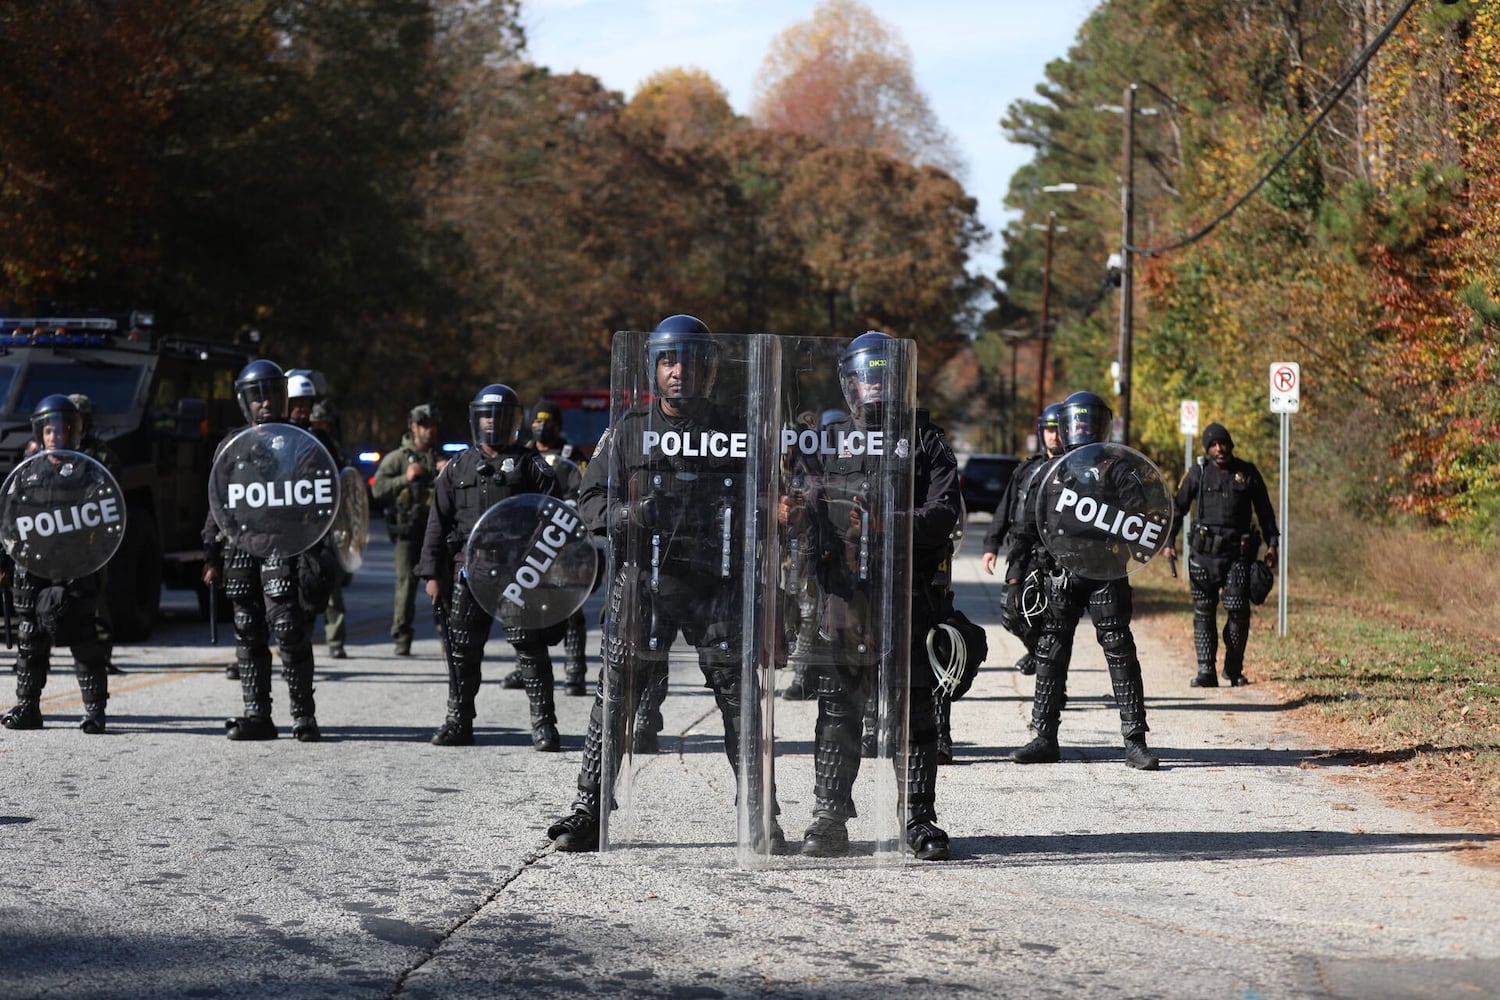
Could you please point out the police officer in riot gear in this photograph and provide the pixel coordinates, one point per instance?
(403, 481)
(845, 675)
(321, 578)
(548, 440)
(1225, 542)
(1015, 505)
(1084, 420)
(264, 593)
(665, 522)
(496, 467)
(55, 612)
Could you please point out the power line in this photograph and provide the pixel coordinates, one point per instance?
(1344, 83)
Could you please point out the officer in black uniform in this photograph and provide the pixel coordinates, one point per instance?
(677, 505)
(497, 467)
(846, 677)
(1016, 504)
(1084, 419)
(265, 594)
(549, 441)
(1229, 492)
(55, 612)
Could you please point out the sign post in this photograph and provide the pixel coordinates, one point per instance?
(1187, 420)
(1286, 399)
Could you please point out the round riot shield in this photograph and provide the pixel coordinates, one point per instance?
(273, 490)
(569, 475)
(530, 562)
(1103, 510)
(351, 522)
(61, 515)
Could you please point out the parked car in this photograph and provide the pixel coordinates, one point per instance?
(983, 479)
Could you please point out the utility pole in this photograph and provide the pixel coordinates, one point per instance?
(1127, 240)
(1041, 369)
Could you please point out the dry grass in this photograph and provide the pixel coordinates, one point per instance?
(1392, 661)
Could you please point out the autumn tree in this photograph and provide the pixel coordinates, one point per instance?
(685, 106)
(845, 78)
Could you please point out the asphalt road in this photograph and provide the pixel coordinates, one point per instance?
(162, 860)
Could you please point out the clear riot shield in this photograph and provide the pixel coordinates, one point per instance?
(530, 562)
(691, 462)
(351, 522)
(273, 490)
(61, 515)
(843, 606)
(1103, 510)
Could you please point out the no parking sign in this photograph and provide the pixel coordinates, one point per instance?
(1286, 387)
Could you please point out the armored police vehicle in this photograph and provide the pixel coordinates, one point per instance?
(161, 404)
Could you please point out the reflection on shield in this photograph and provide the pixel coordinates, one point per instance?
(350, 532)
(273, 490)
(843, 560)
(530, 562)
(1103, 511)
(61, 515)
(689, 674)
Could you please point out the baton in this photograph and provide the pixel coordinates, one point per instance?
(1172, 564)
(213, 615)
(9, 639)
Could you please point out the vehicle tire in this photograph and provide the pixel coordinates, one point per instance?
(135, 578)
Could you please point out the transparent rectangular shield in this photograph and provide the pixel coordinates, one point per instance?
(686, 758)
(843, 563)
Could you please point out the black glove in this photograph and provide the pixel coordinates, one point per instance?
(1010, 608)
(642, 513)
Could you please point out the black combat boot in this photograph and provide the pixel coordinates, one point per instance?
(926, 840)
(26, 715)
(250, 727)
(575, 680)
(1041, 750)
(1138, 756)
(305, 729)
(1236, 679)
(828, 837)
(1206, 678)
(454, 732)
(513, 681)
(536, 671)
(578, 831)
(93, 719)
(1026, 665)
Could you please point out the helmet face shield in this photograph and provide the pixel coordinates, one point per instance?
(683, 367)
(262, 392)
(57, 429)
(1083, 424)
(495, 417)
(867, 375)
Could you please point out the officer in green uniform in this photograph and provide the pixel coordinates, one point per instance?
(403, 482)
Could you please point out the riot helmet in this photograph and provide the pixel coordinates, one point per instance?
(686, 344)
(1049, 419)
(261, 390)
(86, 409)
(495, 416)
(300, 395)
(1084, 420)
(59, 414)
(867, 375)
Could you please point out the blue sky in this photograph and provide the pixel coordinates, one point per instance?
(971, 57)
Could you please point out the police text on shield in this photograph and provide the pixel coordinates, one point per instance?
(1089, 512)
